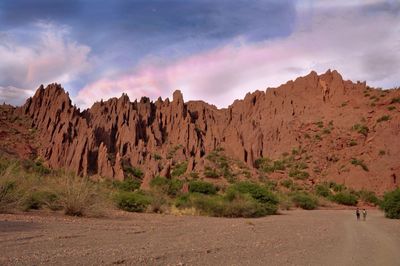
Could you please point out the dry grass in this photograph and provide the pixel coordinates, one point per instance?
(21, 189)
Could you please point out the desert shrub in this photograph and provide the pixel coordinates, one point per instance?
(158, 181)
(326, 131)
(362, 129)
(298, 174)
(175, 186)
(241, 205)
(202, 187)
(157, 156)
(9, 195)
(368, 197)
(345, 198)
(305, 201)
(172, 187)
(317, 137)
(361, 163)
(391, 108)
(158, 203)
(352, 143)
(194, 175)
(39, 199)
(285, 201)
(391, 204)
(133, 171)
(179, 169)
(287, 183)
(323, 190)
(337, 187)
(78, 196)
(127, 185)
(35, 166)
(382, 152)
(383, 118)
(172, 151)
(268, 166)
(395, 100)
(211, 172)
(319, 124)
(258, 192)
(183, 201)
(133, 201)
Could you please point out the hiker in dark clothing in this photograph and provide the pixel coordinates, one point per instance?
(364, 214)
(358, 214)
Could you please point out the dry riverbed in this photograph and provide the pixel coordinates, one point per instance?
(321, 237)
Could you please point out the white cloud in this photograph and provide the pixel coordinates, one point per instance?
(39, 55)
(359, 45)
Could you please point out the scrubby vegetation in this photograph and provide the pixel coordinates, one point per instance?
(362, 129)
(132, 201)
(305, 201)
(345, 198)
(391, 204)
(383, 118)
(359, 162)
(23, 187)
(29, 186)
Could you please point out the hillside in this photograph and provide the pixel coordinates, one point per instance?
(313, 129)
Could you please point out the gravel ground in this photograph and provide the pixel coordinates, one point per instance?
(322, 237)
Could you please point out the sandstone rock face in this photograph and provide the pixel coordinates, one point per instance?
(315, 113)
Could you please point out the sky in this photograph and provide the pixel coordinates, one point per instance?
(212, 50)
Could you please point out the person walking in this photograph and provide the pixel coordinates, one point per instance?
(364, 212)
(358, 214)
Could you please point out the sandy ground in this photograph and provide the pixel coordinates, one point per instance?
(323, 237)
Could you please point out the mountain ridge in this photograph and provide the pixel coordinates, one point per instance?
(312, 119)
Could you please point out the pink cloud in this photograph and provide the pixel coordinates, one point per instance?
(338, 41)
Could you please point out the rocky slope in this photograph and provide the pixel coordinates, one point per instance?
(330, 128)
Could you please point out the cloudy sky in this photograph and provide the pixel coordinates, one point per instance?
(214, 50)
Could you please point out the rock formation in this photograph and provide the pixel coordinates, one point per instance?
(317, 114)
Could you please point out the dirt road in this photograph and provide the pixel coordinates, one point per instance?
(323, 237)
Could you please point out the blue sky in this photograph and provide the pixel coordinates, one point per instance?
(212, 50)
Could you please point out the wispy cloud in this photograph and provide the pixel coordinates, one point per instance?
(361, 46)
(40, 54)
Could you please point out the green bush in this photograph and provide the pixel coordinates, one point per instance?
(127, 185)
(287, 183)
(157, 157)
(345, 198)
(179, 169)
(323, 190)
(337, 187)
(132, 201)
(305, 201)
(158, 181)
(211, 172)
(296, 173)
(202, 187)
(395, 100)
(266, 165)
(172, 187)
(368, 197)
(352, 143)
(362, 129)
(241, 205)
(133, 171)
(8, 195)
(383, 118)
(38, 199)
(361, 163)
(256, 191)
(391, 204)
